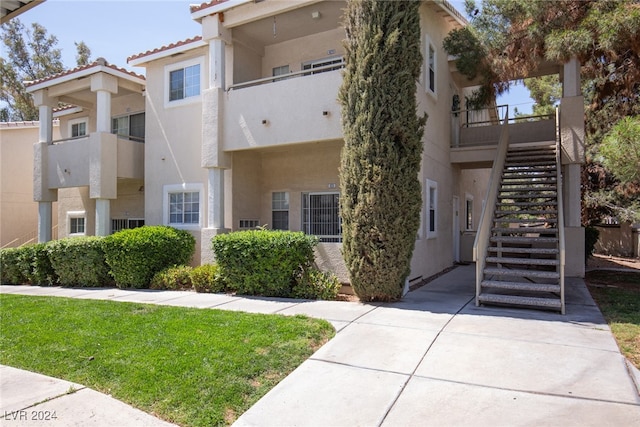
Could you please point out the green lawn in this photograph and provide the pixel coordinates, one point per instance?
(618, 296)
(193, 367)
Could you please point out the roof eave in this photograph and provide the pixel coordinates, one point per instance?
(84, 73)
(197, 15)
(142, 60)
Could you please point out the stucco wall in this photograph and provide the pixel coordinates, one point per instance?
(18, 211)
(616, 240)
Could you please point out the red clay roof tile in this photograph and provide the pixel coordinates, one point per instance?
(163, 48)
(96, 63)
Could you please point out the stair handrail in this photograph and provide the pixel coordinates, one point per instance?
(560, 192)
(483, 235)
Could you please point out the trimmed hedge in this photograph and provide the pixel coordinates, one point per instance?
(316, 284)
(40, 271)
(12, 266)
(263, 262)
(206, 278)
(136, 255)
(174, 278)
(79, 261)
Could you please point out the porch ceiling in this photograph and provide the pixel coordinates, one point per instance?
(291, 24)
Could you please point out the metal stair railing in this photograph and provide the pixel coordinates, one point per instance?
(483, 235)
(560, 208)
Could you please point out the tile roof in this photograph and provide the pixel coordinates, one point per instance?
(163, 48)
(98, 62)
(199, 7)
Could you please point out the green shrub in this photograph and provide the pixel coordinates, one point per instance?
(206, 278)
(263, 262)
(591, 235)
(316, 284)
(79, 261)
(12, 266)
(174, 278)
(40, 271)
(136, 255)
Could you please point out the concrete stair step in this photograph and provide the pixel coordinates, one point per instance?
(527, 196)
(524, 250)
(538, 156)
(513, 181)
(528, 188)
(522, 301)
(530, 162)
(525, 204)
(521, 286)
(522, 239)
(494, 271)
(532, 212)
(527, 175)
(526, 220)
(523, 261)
(521, 230)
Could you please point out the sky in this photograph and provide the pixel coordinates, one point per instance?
(117, 29)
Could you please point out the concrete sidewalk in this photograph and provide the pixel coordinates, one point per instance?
(433, 358)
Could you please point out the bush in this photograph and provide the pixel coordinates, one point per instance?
(12, 266)
(316, 284)
(39, 270)
(174, 278)
(136, 255)
(591, 235)
(206, 278)
(263, 262)
(79, 261)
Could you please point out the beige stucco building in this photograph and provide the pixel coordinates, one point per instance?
(241, 128)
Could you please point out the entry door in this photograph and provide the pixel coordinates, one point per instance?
(456, 229)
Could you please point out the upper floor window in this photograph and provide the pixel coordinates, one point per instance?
(78, 127)
(322, 65)
(130, 126)
(184, 80)
(430, 66)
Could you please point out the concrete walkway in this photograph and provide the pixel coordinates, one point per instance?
(432, 359)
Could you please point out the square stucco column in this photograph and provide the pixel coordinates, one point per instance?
(215, 214)
(41, 191)
(103, 217)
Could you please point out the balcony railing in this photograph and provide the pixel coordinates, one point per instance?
(477, 127)
(76, 138)
(294, 74)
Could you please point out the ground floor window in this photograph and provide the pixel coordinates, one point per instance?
(118, 224)
(280, 210)
(183, 205)
(76, 223)
(468, 210)
(432, 209)
(321, 216)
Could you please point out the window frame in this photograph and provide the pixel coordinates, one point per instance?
(76, 215)
(430, 68)
(115, 229)
(128, 135)
(169, 189)
(80, 120)
(306, 223)
(469, 217)
(168, 69)
(431, 205)
(274, 209)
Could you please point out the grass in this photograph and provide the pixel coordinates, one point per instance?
(618, 296)
(192, 367)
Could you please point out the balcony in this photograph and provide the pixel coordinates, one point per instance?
(295, 108)
(97, 159)
(475, 133)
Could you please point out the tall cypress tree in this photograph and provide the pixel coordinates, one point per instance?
(380, 198)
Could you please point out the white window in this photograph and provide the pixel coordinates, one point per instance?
(183, 206)
(282, 70)
(280, 210)
(430, 67)
(184, 81)
(130, 126)
(468, 212)
(321, 216)
(76, 223)
(432, 209)
(78, 127)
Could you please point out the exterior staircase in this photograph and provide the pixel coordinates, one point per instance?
(523, 263)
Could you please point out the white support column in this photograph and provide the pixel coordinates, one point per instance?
(217, 63)
(103, 217)
(46, 124)
(216, 199)
(571, 78)
(45, 215)
(103, 111)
